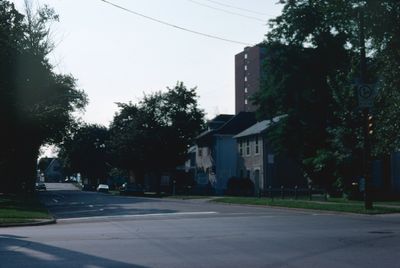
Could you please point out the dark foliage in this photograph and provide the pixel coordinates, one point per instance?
(36, 104)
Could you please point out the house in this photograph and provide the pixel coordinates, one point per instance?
(216, 153)
(258, 161)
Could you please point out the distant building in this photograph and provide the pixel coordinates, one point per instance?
(248, 75)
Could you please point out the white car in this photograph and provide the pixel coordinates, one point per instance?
(103, 188)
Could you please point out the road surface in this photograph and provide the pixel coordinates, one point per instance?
(100, 230)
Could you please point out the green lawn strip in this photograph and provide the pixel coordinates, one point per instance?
(303, 204)
(19, 209)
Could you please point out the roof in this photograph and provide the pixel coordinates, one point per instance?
(219, 120)
(233, 126)
(260, 127)
(238, 123)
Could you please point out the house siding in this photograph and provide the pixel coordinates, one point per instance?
(225, 161)
(252, 162)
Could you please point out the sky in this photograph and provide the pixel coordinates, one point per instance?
(117, 56)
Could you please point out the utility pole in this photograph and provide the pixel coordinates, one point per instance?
(367, 117)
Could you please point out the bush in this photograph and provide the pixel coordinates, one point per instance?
(240, 187)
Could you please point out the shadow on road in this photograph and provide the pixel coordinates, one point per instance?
(78, 204)
(15, 251)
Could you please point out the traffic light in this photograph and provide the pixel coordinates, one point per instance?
(370, 125)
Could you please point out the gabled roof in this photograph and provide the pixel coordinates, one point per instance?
(235, 125)
(238, 123)
(219, 120)
(260, 127)
(214, 124)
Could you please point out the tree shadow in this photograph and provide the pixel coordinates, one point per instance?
(15, 251)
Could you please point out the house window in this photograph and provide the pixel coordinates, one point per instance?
(245, 90)
(241, 148)
(245, 78)
(257, 147)
(200, 152)
(248, 174)
(245, 101)
(245, 55)
(245, 67)
(247, 147)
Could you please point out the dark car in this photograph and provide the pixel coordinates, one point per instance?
(40, 186)
(88, 187)
(131, 189)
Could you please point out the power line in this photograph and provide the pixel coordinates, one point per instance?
(238, 8)
(227, 11)
(173, 25)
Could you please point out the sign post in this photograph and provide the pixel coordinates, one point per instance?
(366, 94)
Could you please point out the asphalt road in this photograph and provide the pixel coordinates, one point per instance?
(100, 230)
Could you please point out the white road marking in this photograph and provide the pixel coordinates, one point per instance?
(140, 215)
(55, 200)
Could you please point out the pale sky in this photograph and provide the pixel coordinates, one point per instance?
(117, 56)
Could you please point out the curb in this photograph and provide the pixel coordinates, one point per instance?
(306, 210)
(35, 222)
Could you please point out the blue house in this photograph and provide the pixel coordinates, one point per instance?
(216, 156)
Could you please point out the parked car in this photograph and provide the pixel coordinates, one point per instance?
(104, 188)
(88, 187)
(131, 189)
(40, 186)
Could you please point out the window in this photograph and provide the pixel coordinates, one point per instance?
(248, 174)
(200, 152)
(245, 90)
(241, 148)
(245, 67)
(257, 148)
(245, 101)
(245, 55)
(247, 147)
(245, 78)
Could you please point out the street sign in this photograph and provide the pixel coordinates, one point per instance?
(366, 95)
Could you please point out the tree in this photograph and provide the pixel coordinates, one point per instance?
(154, 135)
(36, 104)
(85, 152)
(312, 67)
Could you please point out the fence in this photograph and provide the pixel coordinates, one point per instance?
(296, 192)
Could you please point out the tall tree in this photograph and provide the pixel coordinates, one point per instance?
(85, 152)
(154, 135)
(36, 104)
(312, 69)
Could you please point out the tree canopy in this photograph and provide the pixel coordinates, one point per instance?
(36, 104)
(154, 135)
(85, 152)
(311, 69)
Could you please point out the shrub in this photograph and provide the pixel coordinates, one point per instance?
(240, 187)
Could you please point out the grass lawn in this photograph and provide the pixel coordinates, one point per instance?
(21, 209)
(342, 206)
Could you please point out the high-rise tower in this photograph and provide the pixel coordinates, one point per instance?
(248, 73)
